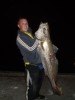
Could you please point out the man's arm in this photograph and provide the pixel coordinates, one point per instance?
(25, 45)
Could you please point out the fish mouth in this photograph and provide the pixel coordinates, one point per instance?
(37, 38)
(42, 38)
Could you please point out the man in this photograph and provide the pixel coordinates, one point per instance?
(27, 45)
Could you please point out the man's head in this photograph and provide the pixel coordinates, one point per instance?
(23, 24)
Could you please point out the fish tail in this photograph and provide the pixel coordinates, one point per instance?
(58, 91)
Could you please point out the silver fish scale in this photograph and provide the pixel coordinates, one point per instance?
(47, 52)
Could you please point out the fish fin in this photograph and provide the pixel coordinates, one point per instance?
(42, 46)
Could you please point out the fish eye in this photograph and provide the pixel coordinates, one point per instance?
(44, 29)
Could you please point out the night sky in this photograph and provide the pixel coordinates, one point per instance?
(61, 19)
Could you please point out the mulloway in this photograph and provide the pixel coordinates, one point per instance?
(47, 52)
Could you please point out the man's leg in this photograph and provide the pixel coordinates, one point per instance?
(40, 81)
(31, 82)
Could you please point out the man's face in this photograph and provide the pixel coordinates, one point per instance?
(23, 25)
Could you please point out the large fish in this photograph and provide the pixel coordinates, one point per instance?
(47, 52)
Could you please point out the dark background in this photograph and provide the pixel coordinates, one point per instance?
(61, 19)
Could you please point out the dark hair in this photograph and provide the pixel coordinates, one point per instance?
(21, 18)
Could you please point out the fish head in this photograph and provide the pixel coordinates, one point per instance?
(43, 31)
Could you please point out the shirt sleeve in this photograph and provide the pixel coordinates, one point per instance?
(29, 48)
